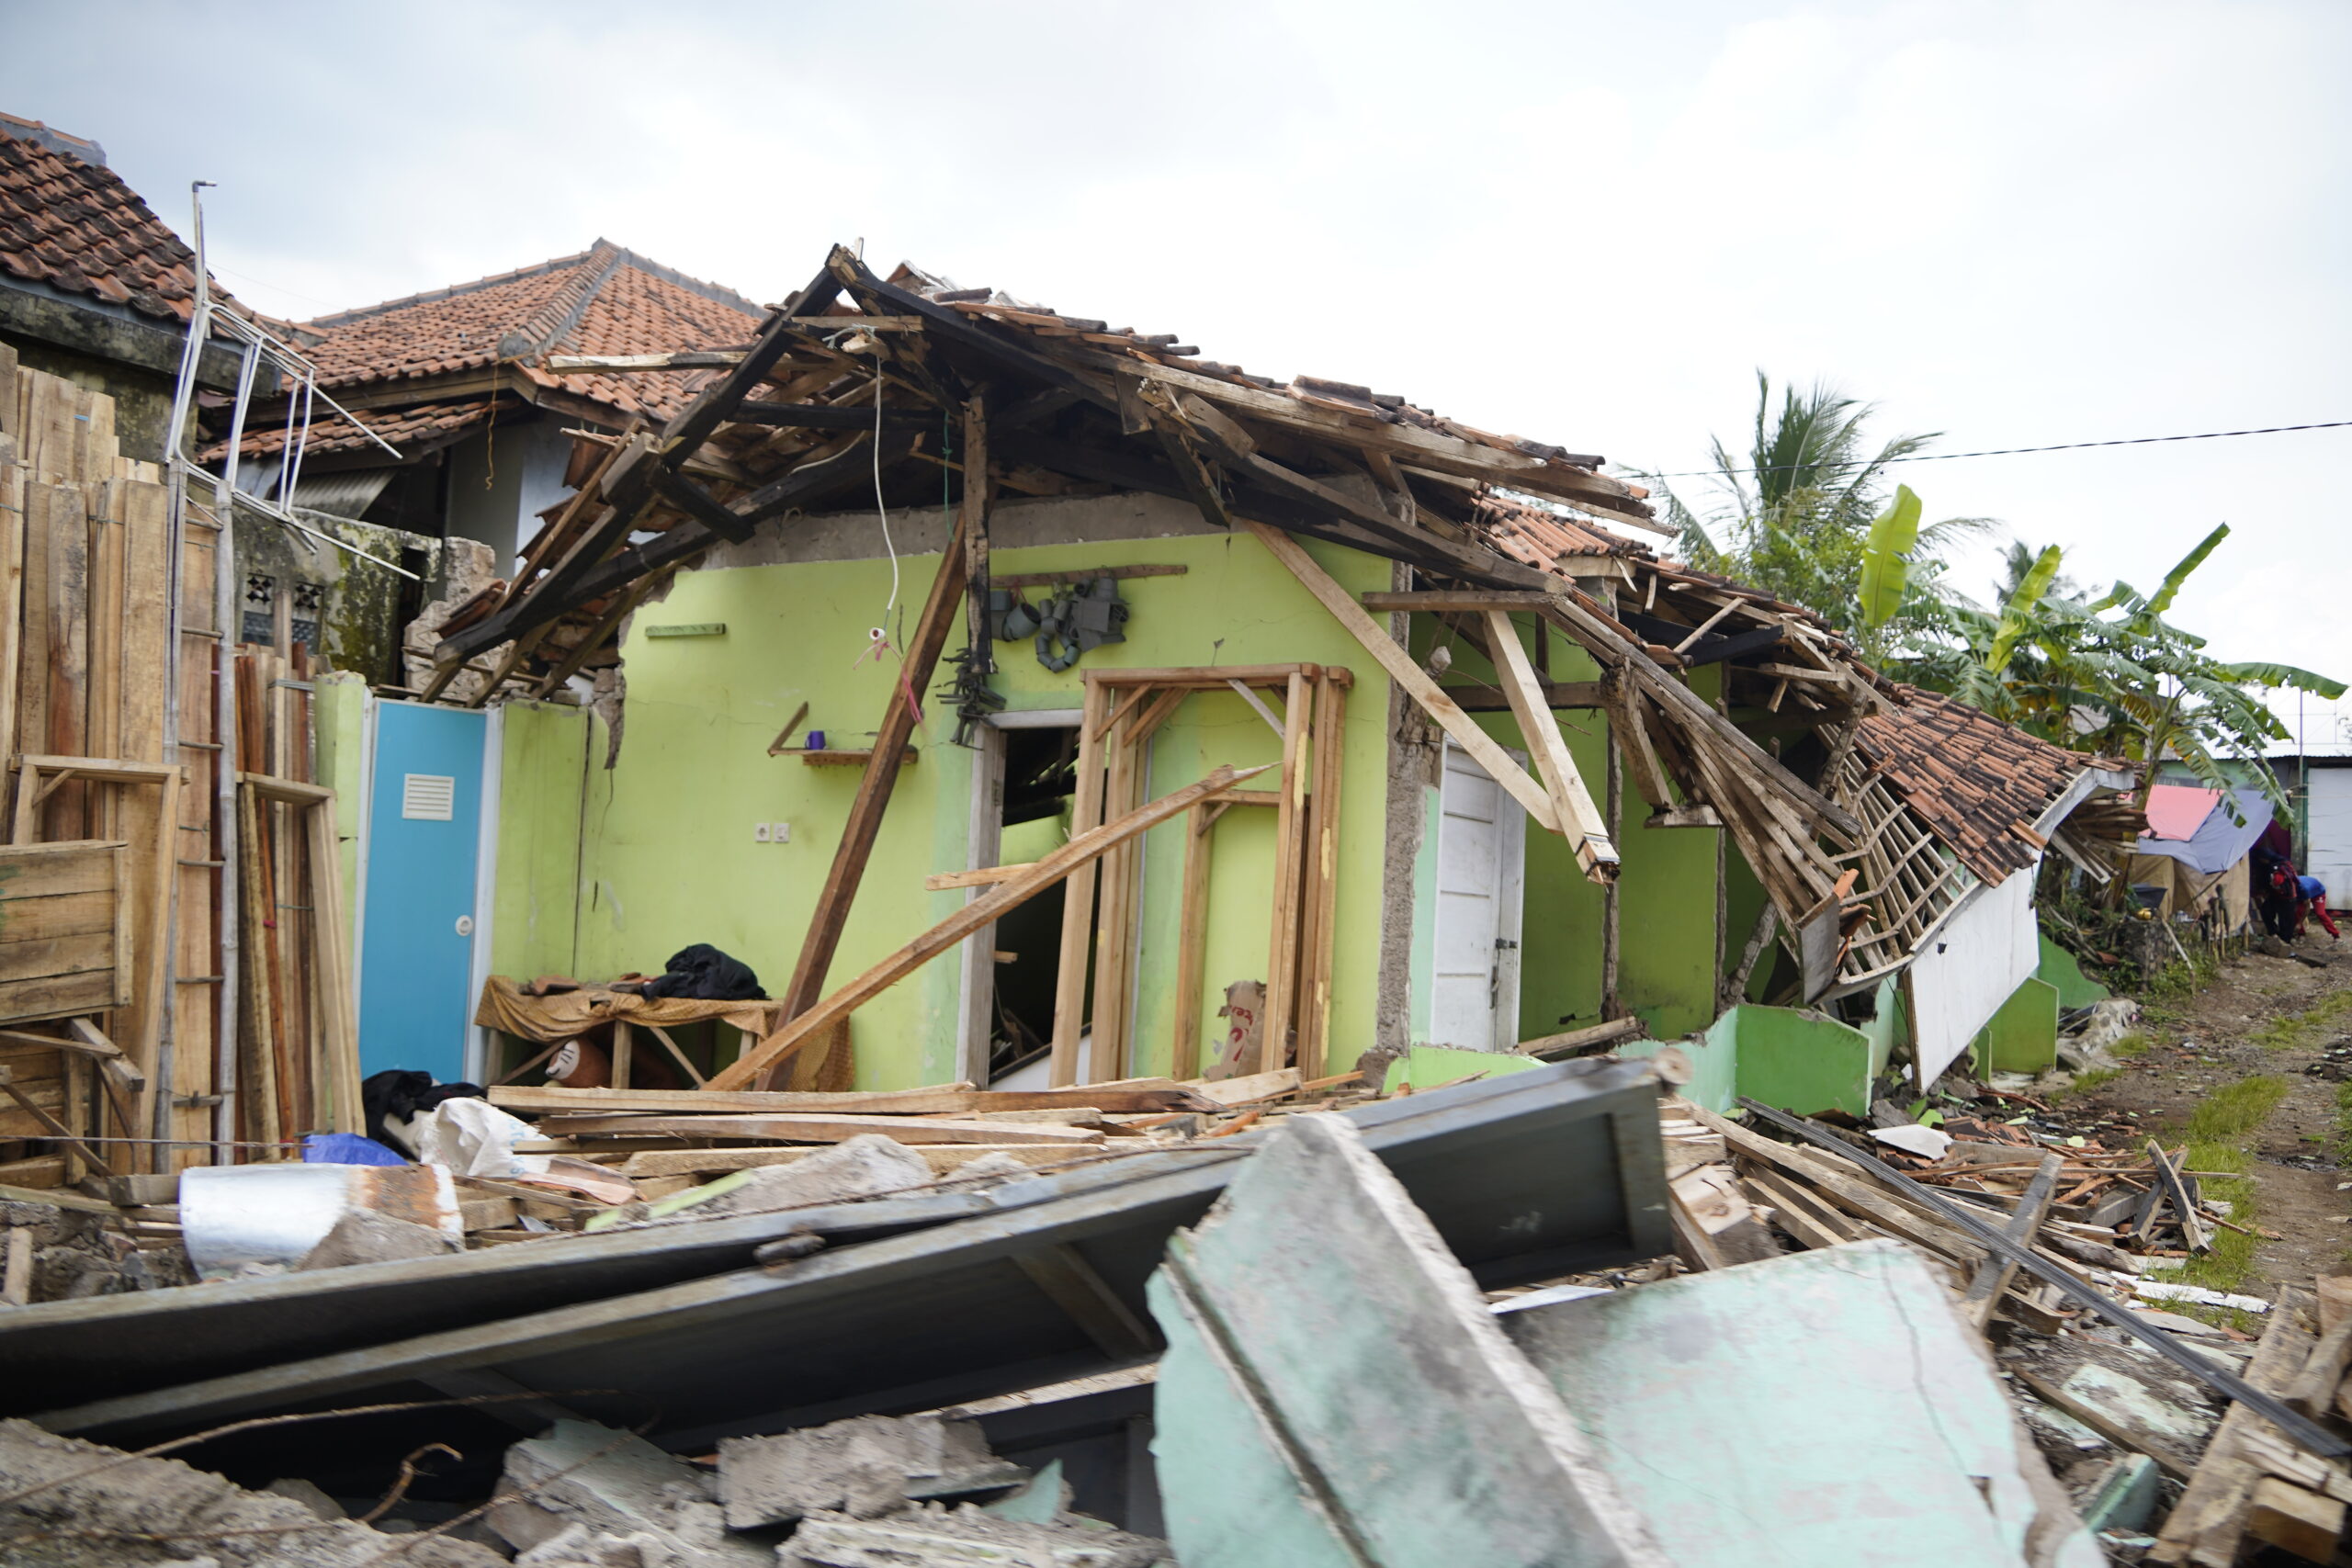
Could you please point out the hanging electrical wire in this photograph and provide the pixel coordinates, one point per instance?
(2007, 451)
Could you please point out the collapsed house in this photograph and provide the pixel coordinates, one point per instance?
(1529, 779)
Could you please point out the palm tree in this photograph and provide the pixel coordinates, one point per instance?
(1793, 514)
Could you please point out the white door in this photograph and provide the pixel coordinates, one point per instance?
(2331, 833)
(1482, 840)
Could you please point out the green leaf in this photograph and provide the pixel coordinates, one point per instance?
(1886, 559)
(2286, 675)
(2179, 574)
(2017, 615)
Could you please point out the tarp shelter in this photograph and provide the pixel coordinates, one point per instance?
(2199, 861)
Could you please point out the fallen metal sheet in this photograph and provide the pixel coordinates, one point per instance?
(1526, 1177)
(107, 1346)
(1335, 1393)
(1805, 1409)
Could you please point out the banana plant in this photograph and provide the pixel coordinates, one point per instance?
(1886, 560)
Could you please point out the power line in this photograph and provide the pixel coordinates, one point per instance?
(2015, 451)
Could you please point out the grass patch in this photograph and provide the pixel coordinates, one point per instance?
(2084, 1081)
(2342, 1146)
(2134, 1044)
(2231, 1112)
(2297, 1030)
(2217, 1142)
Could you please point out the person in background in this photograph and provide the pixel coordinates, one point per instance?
(2311, 897)
(2271, 871)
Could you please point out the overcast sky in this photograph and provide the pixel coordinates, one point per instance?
(2013, 223)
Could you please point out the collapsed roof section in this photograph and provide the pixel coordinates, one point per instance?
(861, 383)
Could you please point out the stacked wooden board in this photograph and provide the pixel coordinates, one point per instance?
(103, 746)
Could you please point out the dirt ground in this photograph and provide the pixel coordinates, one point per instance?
(2213, 1038)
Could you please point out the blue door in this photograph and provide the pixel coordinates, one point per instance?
(416, 942)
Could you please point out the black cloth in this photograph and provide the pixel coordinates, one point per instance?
(703, 973)
(394, 1096)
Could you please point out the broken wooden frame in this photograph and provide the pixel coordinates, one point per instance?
(1083, 851)
(66, 953)
(1122, 710)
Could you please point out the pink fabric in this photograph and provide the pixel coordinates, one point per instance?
(2177, 811)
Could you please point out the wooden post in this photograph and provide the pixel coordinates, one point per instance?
(1192, 942)
(624, 1055)
(1114, 929)
(1596, 841)
(881, 775)
(1281, 960)
(1323, 879)
(1078, 893)
(1612, 1006)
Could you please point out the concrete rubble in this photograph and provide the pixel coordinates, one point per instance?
(67, 1503)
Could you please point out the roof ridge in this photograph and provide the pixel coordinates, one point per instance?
(455, 290)
(718, 293)
(547, 326)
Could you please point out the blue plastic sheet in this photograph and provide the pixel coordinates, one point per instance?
(347, 1148)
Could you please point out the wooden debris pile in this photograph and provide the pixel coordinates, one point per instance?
(616, 1147)
(2142, 1391)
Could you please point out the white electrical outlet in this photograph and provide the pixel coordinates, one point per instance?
(761, 833)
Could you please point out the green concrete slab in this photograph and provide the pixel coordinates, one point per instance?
(1826, 1407)
(2076, 990)
(2023, 1036)
(1429, 1067)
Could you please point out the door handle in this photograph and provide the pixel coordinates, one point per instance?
(465, 925)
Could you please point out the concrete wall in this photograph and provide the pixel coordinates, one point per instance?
(1969, 968)
(501, 478)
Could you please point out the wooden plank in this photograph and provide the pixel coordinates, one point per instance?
(63, 914)
(790, 1127)
(12, 581)
(1115, 930)
(1192, 943)
(944, 1159)
(39, 870)
(1278, 1028)
(36, 958)
(2204, 1527)
(68, 588)
(1078, 893)
(338, 1022)
(1135, 1096)
(1082, 851)
(1572, 805)
(1993, 1276)
(864, 823)
(1323, 864)
(1408, 675)
(2285, 1516)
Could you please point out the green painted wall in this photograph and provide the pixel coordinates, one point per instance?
(1714, 1062)
(2023, 1036)
(542, 773)
(2076, 990)
(668, 856)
